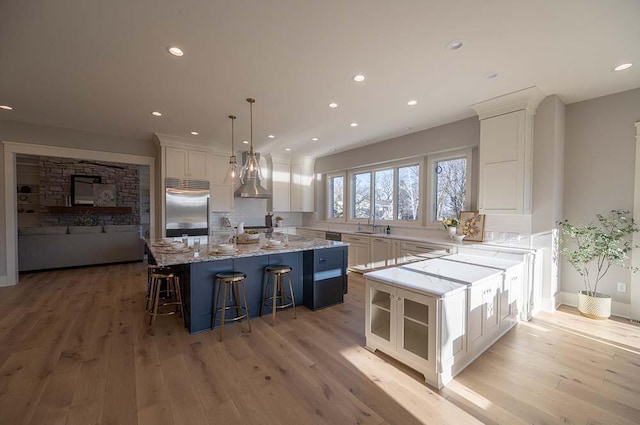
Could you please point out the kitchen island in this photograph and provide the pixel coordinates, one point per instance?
(319, 273)
(439, 315)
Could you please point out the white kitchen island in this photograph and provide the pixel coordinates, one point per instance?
(438, 315)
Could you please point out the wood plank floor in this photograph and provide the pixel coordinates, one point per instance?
(74, 349)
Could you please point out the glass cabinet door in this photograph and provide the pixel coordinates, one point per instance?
(380, 319)
(418, 328)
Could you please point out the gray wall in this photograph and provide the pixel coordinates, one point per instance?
(599, 170)
(456, 135)
(13, 131)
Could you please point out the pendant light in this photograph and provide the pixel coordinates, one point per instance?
(251, 167)
(232, 172)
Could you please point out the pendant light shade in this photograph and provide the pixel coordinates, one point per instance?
(251, 173)
(232, 172)
(251, 168)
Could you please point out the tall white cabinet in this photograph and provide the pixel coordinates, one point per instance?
(506, 152)
(291, 182)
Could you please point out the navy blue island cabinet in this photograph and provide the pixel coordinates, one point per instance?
(319, 278)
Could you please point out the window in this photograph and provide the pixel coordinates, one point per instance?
(408, 192)
(385, 194)
(450, 187)
(361, 195)
(336, 196)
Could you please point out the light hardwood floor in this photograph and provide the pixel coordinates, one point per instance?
(74, 350)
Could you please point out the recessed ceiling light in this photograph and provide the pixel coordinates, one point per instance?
(333, 105)
(412, 102)
(6, 107)
(194, 133)
(175, 51)
(246, 142)
(354, 124)
(623, 66)
(408, 128)
(287, 149)
(315, 139)
(491, 75)
(359, 78)
(333, 150)
(271, 136)
(156, 114)
(454, 44)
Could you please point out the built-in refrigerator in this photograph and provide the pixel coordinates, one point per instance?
(187, 207)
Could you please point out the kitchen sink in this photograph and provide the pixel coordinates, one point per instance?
(365, 233)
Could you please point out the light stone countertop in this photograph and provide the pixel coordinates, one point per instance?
(207, 251)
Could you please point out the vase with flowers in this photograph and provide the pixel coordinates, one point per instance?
(451, 225)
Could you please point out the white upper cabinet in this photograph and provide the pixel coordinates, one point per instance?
(221, 199)
(291, 182)
(185, 164)
(506, 152)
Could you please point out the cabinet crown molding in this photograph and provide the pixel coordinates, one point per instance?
(527, 99)
(166, 140)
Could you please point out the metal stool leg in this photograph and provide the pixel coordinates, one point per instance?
(156, 299)
(246, 306)
(224, 309)
(293, 298)
(274, 303)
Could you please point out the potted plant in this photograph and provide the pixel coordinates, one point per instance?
(592, 250)
(279, 221)
(451, 225)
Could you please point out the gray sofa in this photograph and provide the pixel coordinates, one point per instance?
(61, 246)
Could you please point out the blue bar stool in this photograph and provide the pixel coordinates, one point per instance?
(231, 284)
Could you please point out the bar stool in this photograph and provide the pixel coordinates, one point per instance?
(279, 299)
(231, 284)
(170, 278)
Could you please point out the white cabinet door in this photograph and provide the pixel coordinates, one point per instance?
(417, 327)
(302, 187)
(176, 163)
(186, 164)
(380, 252)
(197, 165)
(503, 164)
(483, 318)
(281, 187)
(359, 251)
(380, 315)
(221, 199)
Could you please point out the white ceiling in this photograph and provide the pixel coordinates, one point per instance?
(102, 66)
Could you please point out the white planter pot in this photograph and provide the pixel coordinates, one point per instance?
(594, 307)
(452, 231)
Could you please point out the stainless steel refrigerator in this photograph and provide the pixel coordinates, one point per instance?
(187, 207)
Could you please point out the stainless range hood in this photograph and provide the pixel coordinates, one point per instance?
(251, 187)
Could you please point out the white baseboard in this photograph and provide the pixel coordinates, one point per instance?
(4, 281)
(617, 308)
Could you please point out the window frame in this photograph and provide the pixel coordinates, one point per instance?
(430, 187)
(419, 161)
(329, 202)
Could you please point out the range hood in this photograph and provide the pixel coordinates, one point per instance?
(251, 187)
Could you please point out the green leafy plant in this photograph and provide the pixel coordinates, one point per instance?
(594, 248)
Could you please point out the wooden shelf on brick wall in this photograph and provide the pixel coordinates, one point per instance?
(79, 209)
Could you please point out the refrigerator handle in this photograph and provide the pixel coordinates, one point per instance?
(208, 216)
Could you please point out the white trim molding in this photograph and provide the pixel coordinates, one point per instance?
(527, 99)
(11, 149)
(634, 288)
